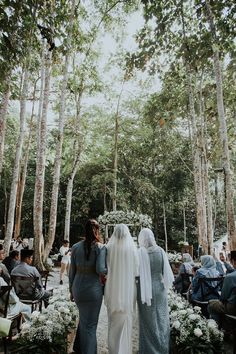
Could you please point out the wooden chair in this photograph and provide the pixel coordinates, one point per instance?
(15, 320)
(208, 287)
(44, 275)
(186, 280)
(232, 321)
(25, 288)
(229, 324)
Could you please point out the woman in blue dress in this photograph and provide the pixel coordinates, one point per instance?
(88, 263)
(156, 277)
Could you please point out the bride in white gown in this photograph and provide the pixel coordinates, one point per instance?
(120, 289)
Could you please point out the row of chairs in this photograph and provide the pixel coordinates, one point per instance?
(15, 320)
(25, 288)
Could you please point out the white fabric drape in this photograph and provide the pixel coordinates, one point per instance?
(145, 275)
(122, 263)
(147, 244)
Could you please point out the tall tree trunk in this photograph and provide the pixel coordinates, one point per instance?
(105, 198)
(196, 149)
(22, 179)
(77, 148)
(3, 114)
(115, 159)
(205, 173)
(184, 220)
(41, 156)
(197, 172)
(57, 162)
(165, 229)
(16, 169)
(57, 165)
(69, 192)
(223, 134)
(5, 205)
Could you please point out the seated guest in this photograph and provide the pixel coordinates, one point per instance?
(222, 266)
(207, 270)
(3, 269)
(227, 302)
(12, 260)
(17, 244)
(182, 283)
(25, 269)
(15, 306)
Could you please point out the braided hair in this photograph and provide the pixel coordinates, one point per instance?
(91, 235)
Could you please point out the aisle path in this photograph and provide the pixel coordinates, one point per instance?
(102, 324)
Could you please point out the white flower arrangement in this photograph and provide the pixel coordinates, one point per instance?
(129, 217)
(174, 257)
(183, 243)
(51, 325)
(189, 329)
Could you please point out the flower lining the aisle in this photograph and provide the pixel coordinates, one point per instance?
(47, 331)
(190, 331)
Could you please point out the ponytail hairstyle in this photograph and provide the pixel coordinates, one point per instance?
(91, 235)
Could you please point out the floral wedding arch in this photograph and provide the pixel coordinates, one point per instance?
(129, 218)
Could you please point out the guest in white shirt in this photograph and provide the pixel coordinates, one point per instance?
(65, 253)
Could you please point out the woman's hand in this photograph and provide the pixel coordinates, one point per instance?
(71, 297)
(103, 279)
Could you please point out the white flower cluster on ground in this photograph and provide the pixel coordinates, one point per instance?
(129, 217)
(189, 328)
(174, 257)
(56, 320)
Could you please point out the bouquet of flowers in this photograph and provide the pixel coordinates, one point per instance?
(47, 331)
(191, 332)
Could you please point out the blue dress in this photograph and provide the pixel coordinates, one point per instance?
(87, 291)
(154, 327)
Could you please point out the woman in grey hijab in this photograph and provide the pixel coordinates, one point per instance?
(205, 292)
(182, 281)
(156, 277)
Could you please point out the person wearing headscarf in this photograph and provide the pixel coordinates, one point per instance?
(222, 266)
(120, 290)
(156, 277)
(88, 262)
(182, 281)
(227, 302)
(207, 270)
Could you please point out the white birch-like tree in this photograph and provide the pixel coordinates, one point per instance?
(16, 168)
(23, 173)
(46, 64)
(223, 131)
(60, 135)
(3, 114)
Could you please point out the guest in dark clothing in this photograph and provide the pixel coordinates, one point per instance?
(12, 260)
(227, 302)
(25, 269)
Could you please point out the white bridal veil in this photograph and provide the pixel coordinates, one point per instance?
(122, 262)
(147, 242)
